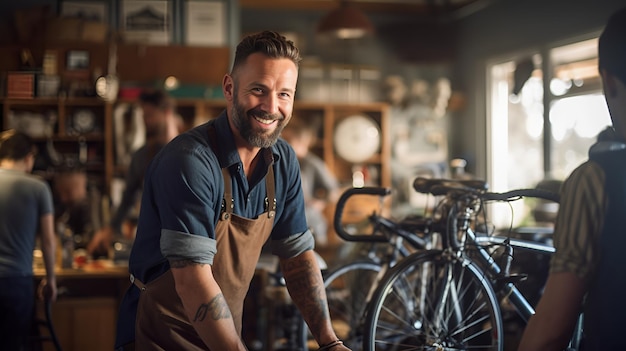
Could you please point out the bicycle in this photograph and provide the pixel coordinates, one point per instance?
(387, 242)
(448, 298)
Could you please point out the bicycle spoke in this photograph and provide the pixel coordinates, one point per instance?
(441, 305)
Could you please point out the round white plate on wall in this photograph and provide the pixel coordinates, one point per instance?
(357, 138)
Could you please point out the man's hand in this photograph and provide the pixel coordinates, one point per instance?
(47, 290)
(338, 346)
(101, 241)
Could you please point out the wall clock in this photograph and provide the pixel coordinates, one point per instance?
(84, 121)
(356, 138)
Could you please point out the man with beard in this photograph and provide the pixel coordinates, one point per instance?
(162, 125)
(212, 197)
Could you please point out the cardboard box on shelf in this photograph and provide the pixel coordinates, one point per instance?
(20, 85)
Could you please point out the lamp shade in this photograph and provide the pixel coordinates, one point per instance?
(346, 22)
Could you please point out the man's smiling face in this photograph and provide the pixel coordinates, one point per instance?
(263, 92)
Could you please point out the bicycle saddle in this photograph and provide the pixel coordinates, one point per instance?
(441, 186)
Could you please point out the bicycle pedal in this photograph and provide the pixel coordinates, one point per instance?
(512, 278)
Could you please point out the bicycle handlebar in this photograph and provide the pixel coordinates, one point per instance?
(380, 191)
(477, 187)
(537, 193)
(474, 188)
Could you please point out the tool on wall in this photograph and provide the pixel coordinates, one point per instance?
(58, 159)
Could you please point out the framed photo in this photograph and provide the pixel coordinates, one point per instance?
(96, 11)
(77, 60)
(146, 21)
(205, 23)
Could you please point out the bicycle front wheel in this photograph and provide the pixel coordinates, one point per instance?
(347, 289)
(431, 301)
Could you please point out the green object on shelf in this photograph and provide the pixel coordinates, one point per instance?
(197, 92)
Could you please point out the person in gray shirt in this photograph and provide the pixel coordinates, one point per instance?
(25, 210)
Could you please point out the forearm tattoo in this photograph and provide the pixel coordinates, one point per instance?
(307, 291)
(217, 308)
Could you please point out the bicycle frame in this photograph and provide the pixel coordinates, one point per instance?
(513, 294)
(462, 217)
(495, 271)
(463, 254)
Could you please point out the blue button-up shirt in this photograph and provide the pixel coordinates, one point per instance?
(182, 200)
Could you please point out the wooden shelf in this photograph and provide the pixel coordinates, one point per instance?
(99, 164)
(331, 114)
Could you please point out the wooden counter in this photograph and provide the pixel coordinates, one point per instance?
(85, 313)
(97, 269)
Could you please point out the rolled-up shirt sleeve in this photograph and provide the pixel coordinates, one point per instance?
(186, 194)
(177, 246)
(293, 245)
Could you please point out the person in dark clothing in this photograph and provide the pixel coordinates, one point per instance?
(587, 270)
(162, 125)
(76, 205)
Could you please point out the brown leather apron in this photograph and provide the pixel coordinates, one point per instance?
(162, 323)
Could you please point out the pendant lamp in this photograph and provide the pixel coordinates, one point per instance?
(346, 22)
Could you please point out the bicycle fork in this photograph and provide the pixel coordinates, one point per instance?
(509, 290)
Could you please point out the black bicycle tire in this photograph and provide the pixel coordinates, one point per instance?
(385, 287)
(331, 276)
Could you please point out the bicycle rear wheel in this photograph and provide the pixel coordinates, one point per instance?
(347, 288)
(430, 301)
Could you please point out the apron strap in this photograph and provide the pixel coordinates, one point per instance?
(270, 200)
(228, 203)
(138, 283)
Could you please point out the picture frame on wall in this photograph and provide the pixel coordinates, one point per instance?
(77, 60)
(146, 21)
(91, 10)
(205, 23)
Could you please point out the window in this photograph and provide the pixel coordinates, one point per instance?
(527, 145)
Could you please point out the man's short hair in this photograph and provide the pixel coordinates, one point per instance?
(268, 43)
(157, 98)
(612, 46)
(15, 145)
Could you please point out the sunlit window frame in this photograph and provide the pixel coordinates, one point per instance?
(494, 89)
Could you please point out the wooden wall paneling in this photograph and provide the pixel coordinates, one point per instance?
(191, 65)
(85, 323)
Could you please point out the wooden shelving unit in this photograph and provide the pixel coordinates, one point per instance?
(331, 114)
(54, 122)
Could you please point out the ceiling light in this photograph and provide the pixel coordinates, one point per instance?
(346, 22)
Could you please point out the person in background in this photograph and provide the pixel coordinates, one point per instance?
(76, 204)
(212, 197)
(25, 210)
(587, 270)
(162, 125)
(319, 185)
